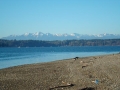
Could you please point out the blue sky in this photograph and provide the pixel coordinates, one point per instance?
(59, 16)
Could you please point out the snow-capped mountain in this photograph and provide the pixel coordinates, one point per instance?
(49, 36)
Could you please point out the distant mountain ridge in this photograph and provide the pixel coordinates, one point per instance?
(49, 36)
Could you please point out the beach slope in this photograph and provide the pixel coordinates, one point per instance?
(87, 73)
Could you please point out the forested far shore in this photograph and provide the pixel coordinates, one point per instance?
(57, 43)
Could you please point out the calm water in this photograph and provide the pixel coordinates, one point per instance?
(19, 56)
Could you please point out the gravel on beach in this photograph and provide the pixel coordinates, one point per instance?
(86, 73)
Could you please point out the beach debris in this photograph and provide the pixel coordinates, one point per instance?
(75, 58)
(84, 65)
(62, 86)
(96, 81)
(63, 82)
(66, 83)
(81, 62)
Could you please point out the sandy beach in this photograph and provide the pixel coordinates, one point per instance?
(87, 73)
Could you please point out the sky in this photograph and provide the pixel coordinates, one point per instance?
(59, 16)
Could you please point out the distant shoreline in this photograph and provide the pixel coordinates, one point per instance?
(59, 43)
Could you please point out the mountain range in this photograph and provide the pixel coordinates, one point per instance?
(49, 36)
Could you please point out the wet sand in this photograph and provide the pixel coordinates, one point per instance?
(69, 74)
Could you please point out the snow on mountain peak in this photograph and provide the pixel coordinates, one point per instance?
(38, 33)
(49, 36)
(26, 34)
(72, 34)
(58, 34)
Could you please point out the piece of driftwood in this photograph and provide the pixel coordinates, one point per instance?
(70, 85)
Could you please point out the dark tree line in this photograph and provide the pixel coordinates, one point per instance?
(40, 43)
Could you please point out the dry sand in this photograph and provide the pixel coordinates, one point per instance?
(70, 74)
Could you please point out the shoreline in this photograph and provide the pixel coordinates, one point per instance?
(14, 63)
(69, 74)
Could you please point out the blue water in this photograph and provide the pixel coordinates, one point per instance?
(19, 56)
